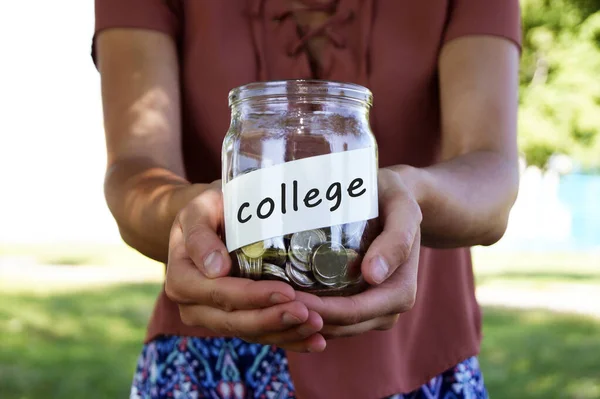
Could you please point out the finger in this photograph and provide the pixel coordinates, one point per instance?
(311, 326)
(200, 221)
(401, 218)
(315, 343)
(245, 323)
(396, 295)
(380, 323)
(185, 284)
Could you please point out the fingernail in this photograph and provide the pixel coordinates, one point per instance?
(290, 320)
(277, 298)
(213, 264)
(316, 348)
(379, 269)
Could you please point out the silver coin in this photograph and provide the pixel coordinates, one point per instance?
(243, 264)
(300, 266)
(332, 283)
(303, 242)
(329, 262)
(274, 271)
(256, 267)
(275, 251)
(298, 278)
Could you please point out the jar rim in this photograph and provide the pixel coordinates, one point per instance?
(300, 88)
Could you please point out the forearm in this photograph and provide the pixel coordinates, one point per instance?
(144, 199)
(465, 201)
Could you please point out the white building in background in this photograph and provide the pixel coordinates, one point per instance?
(538, 214)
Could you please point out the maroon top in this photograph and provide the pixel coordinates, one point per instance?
(390, 46)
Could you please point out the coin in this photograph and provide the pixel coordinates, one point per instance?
(300, 266)
(298, 278)
(256, 267)
(275, 251)
(302, 243)
(274, 271)
(329, 260)
(249, 267)
(255, 250)
(243, 264)
(326, 282)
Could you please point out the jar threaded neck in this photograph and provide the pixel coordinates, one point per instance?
(294, 89)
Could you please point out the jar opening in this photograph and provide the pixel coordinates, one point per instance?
(298, 89)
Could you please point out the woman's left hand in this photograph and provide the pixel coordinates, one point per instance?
(389, 266)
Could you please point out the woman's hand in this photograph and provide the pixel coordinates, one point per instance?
(390, 266)
(266, 312)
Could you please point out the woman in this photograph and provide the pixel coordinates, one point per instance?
(444, 78)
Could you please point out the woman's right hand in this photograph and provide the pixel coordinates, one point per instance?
(197, 280)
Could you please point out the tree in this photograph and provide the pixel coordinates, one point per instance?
(560, 81)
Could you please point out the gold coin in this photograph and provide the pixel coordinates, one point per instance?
(255, 250)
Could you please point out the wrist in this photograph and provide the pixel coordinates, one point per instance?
(416, 180)
(182, 194)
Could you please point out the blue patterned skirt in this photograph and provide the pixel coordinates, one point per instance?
(229, 368)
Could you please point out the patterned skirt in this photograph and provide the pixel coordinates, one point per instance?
(229, 368)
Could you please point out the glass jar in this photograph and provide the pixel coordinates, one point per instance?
(300, 183)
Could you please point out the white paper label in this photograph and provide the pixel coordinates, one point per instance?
(310, 193)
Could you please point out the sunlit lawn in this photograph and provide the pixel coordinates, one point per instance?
(72, 345)
(84, 344)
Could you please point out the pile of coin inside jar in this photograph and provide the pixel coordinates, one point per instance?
(324, 261)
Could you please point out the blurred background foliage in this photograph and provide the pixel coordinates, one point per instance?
(560, 82)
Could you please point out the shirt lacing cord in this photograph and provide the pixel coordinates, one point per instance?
(338, 15)
(325, 29)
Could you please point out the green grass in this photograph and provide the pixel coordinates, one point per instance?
(75, 345)
(60, 343)
(540, 355)
(85, 344)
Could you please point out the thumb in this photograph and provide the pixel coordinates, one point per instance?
(401, 222)
(200, 220)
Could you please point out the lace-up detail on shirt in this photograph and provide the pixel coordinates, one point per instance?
(340, 40)
(326, 29)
